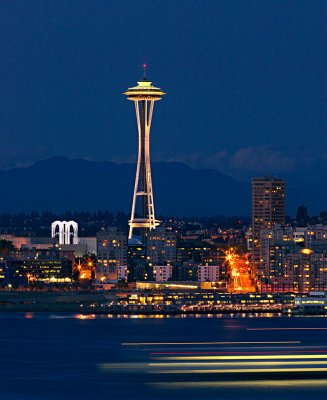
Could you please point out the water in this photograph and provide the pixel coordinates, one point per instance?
(62, 356)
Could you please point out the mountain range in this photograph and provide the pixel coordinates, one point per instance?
(60, 184)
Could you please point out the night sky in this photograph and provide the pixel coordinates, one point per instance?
(245, 82)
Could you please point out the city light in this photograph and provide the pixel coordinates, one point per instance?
(238, 264)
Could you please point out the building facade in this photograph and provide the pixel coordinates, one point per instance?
(162, 246)
(294, 259)
(37, 267)
(111, 254)
(208, 273)
(162, 273)
(268, 209)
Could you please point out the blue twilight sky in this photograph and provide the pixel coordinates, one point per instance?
(245, 80)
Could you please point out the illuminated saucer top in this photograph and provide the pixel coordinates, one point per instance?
(144, 90)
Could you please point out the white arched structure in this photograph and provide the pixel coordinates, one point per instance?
(65, 230)
(60, 233)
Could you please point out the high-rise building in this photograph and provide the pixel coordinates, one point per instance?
(112, 254)
(268, 209)
(162, 246)
(142, 216)
(139, 268)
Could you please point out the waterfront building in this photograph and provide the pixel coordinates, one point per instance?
(143, 218)
(189, 294)
(314, 303)
(268, 209)
(35, 267)
(111, 254)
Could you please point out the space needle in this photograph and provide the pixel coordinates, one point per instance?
(142, 215)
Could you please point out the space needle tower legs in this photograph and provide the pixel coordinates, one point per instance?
(142, 215)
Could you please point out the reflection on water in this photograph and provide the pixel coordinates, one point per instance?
(237, 365)
(249, 384)
(80, 356)
(67, 315)
(244, 366)
(84, 316)
(219, 316)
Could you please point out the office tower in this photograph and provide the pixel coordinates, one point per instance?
(268, 209)
(112, 254)
(143, 216)
(162, 246)
(139, 268)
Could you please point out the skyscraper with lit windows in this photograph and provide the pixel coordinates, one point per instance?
(111, 254)
(268, 209)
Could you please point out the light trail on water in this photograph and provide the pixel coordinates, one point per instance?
(204, 343)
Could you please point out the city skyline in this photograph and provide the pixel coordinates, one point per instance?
(258, 69)
(174, 290)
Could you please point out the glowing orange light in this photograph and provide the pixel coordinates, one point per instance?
(306, 251)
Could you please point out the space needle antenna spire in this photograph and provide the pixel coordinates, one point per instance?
(144, 71)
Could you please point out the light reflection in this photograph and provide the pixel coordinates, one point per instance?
(286, 329)
(84, 316)
(204, 343)
(238, 364)
(303, 383)
(247, 357)
(124, 366)
(243, 370)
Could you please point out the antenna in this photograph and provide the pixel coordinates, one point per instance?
(144, 71)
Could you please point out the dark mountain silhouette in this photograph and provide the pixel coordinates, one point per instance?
(60, 184)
